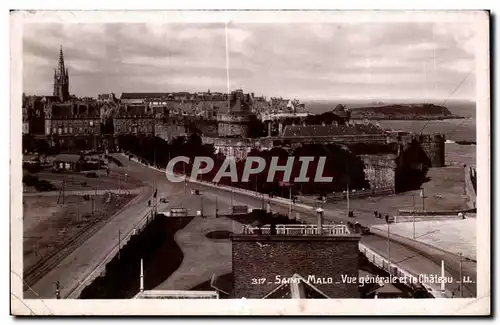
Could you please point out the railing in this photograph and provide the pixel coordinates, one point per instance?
(125, 237)
(298, 230)
(397, 271)
(177, 294)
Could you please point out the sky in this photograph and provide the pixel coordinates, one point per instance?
(375, 61)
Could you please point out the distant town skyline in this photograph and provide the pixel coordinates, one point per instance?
(328, 61)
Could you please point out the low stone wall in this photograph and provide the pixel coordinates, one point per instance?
(429, 213)
(425, 218)
(339, 196)
(470, 191)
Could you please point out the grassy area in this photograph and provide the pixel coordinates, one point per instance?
(31, 181)
(77, 181)
(49, 226)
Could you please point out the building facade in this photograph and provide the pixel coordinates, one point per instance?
(295, 253)
(73, 125)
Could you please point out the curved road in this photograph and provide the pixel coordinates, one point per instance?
(408, 258)
(77, 267)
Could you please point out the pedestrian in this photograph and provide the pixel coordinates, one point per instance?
(387, 218)
(273, 228)
(376, 214)
(149, 203)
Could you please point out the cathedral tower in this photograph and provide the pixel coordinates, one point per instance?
(61, 79)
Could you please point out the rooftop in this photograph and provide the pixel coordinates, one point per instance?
(141, 95)
(296, 288)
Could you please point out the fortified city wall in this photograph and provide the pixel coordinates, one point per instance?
(231, 125)
(238, 147)
(432, 145)
(380, 170)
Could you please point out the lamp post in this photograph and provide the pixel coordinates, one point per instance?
(461, 277)
(413, 212)
(216, 207)
(119, 243)
(389, 247)
(348, 207)
(422, 194)
(320, 212)
(232, 206)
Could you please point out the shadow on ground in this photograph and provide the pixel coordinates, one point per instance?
(161, 257)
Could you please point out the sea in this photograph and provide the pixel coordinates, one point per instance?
(463, 129)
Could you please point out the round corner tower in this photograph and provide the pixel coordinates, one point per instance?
(236, 122)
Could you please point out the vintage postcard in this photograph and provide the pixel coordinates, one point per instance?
(254, 162)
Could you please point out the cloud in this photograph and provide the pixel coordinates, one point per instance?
(302, 60)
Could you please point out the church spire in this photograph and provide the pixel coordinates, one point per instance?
(60, 66)
(61, 78)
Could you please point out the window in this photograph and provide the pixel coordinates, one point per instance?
(70, 129)
(48, 130)
(59, 131)
(54, 130)
(65, 129)
(80, 129)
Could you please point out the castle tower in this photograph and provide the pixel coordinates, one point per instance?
(236, 123)
(61, 79)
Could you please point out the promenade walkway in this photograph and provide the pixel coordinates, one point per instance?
(203, 257)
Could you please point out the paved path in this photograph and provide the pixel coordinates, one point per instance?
(419, 265)
(454, 236)
(79, 264)
(203, 257)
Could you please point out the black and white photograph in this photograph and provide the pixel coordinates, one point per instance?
(338, 158)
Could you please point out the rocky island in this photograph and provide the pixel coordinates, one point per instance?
(402, 112)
